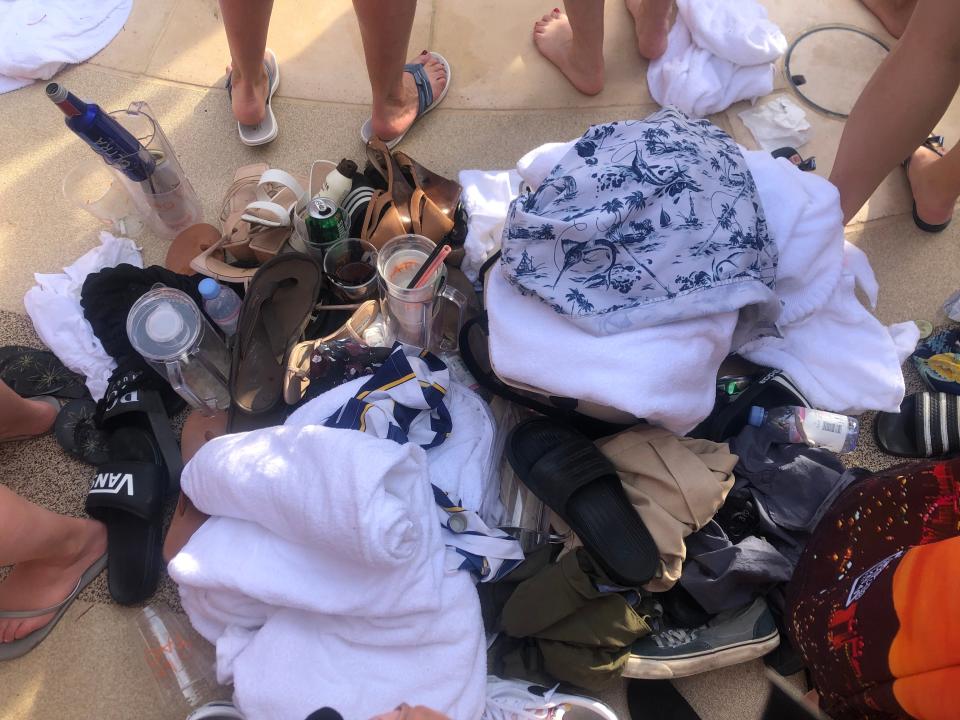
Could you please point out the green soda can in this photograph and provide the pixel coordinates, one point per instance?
(326, 223)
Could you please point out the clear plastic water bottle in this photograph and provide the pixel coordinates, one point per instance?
(221, 304)
(815, 428)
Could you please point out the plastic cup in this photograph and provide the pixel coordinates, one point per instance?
(181, 661)
(91, 186)
(351, 267)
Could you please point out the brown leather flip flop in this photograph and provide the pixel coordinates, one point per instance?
(275, 310)
(192, 242)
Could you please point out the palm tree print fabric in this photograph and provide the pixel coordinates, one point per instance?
(644, 223)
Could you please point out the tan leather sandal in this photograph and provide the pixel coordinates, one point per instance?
(296, 378)
(435, 208)
(388, 213)
(254, 230)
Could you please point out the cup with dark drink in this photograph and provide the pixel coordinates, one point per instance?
(351, 268)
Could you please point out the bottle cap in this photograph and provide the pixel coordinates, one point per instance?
(347, 168)
(209, 288)
(757, 416)
(164, 323)
(458, 523)
(56, 92)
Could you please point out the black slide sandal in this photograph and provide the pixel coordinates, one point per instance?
(126, 405)
(928, 425)
(572, 477)
(127, 496)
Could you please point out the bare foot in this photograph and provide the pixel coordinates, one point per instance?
(37, 584)
(249, 96)
(933, 206)
(394, 116)
(894, 14)
(554, 39)
(36, 419)
(652, 24)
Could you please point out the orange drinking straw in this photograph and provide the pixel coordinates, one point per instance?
(429, 267)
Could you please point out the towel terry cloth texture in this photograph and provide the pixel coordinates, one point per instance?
(323, 562)
(53, 305)
(41, 36)
(666, 374)
(718, 52)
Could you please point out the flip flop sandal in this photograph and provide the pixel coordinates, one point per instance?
(937, 359)
(19, 648)
(30, 372)
(274, 312)
(267, 129)
(77, 433)
(56, 403)
(425, 100)
(190, 243)
(934, 143)
(296, 377)
(928, 425)
(573, 478)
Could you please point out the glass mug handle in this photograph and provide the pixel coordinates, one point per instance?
(460, 300)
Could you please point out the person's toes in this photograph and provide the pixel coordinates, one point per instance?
(9, 628)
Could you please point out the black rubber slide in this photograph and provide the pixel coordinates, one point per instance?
(572, 477)
(928, 425)
(127, 495)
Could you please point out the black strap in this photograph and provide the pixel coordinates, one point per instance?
(124, 398)
(566, 468)
(127, 486)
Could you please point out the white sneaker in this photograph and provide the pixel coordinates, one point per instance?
(521, 700)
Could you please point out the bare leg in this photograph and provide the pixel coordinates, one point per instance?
(900, 105)
(652, 21)
(51, 552)
(385, 29)
(20, 417)
(246, 23)
(935, 182)
(894, 14)
(574, 43)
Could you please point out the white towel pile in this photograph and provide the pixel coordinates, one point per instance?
(718, 52)
(41, 36)
(320, 577)
(666, 374)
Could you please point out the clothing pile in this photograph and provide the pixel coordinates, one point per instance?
(345, 533)
(632, 228)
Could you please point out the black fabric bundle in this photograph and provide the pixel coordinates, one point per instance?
(106, 299)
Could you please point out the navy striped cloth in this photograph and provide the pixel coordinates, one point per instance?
(404, 402)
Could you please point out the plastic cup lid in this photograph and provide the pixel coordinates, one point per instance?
(164, 324)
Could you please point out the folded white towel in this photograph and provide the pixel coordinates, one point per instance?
(53, 305)
(718, 52)
(40, 36)
(322, 570)
(665, 374)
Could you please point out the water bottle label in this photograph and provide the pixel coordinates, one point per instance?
(825, 429)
